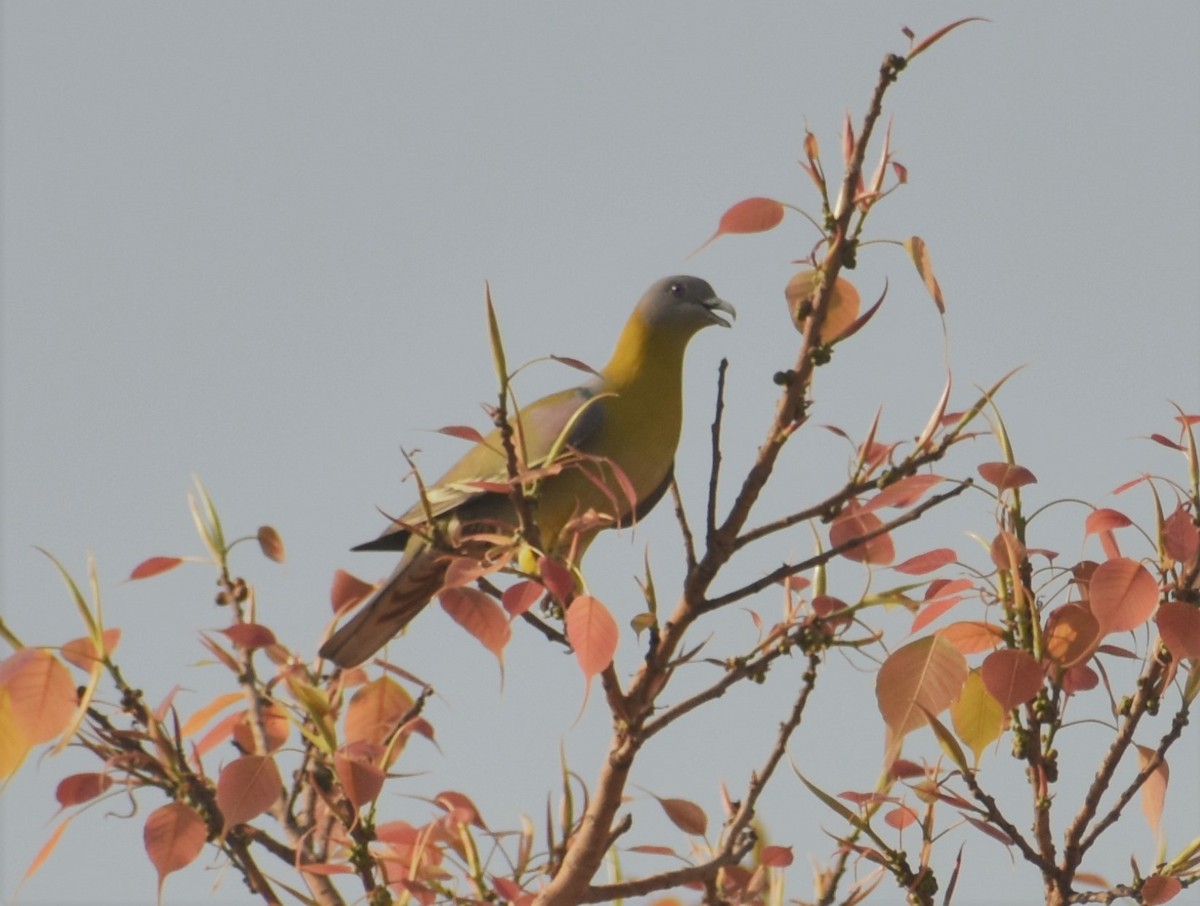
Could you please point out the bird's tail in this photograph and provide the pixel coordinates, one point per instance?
(403, 596)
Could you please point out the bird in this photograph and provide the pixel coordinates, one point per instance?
(612, 438)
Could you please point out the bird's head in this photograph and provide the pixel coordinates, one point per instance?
(684, 304)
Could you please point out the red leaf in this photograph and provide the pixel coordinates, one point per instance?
(1079, 678)
(347, 591)
(903, 493)
(900, 817)
(1158, 889)
(1104, 520)
(459, 808)
(972, 636)
(81, 788)
(576, 364)
(361, 781)
(271, 544)
(1122, 595)
(1071, 635)
(777, 856)
(82, 651)
(753, 215)
(518, 598)
(480, 615)
(1179, 626)
(247, 787)
(853, 524)
(154, 566)
(1013, 677)
(249, 635)
(1006, 476)
(1007, 552)
(376, 710)
(173, 836)
(927, 562)
(685, 815)
(1180, 536)
(462, 432)
(593, 634)
(557, 579)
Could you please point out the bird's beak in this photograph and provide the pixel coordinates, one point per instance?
(715, 305)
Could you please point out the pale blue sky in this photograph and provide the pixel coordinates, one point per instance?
(249, 241)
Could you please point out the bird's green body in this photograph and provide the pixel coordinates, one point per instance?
(626, 420)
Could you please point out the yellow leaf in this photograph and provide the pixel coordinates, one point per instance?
(978, 718)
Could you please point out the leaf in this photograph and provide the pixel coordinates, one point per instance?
(1006, 476)
(460, 809)
(361, 781)
(1012, 676)
(480, 615)
(173, 836)
(276, 729)
(593, 633)
(926, 674)
(249, 635)
(753, 215)
(41, 694)
(518, 598)
(1105, 520)
(1079, 678)
(977, 717)
(927, 562)
(903, 493)
(13, 745)
(376, 710)
(557, 579)
(462, 432)
(79, 788)
(927, 42)
(347, 591)
(841, 310)
(1179, 626)
(576, 364)
(853, 524)
(972, 636)
(1154, 790)
(247, 787)
(1122, 595)
(685, 815)
(1071, 635)
(776, 856)
(900, 817)
(206, 713)
(1007, 552)
(1158, 889)
(919, 253)
(941, 597)
(154, 566)
(1180, 536)
(82, 651)
(47, 849)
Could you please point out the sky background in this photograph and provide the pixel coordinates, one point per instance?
(249, 242)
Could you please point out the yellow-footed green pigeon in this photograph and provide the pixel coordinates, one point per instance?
(625, 420)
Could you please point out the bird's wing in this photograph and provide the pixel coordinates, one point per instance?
(544, 428)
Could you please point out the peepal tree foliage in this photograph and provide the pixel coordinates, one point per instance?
(1010, 654)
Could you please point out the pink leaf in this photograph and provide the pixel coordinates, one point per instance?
(753, 215)
(1179, 626)
(1123, 595)
(249, 635)
(854, 524)
(173, 836)
(480, 615)
(1006, 476)
(518, 598)
(903, 493)
(247, 787)
(1013, 677)
(593, 634)
(1105, 520)
(347, 591)
(927, 562)
(154, 566)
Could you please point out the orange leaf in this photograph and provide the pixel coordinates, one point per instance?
(1079, 678)
(1179, 626)
(347, 591)
(82, 651)
(1007, 552)
(972, 636)
(271, 544)
(593, 634)
(361, 781)
(919, 253)
(753, 215)
(1154, 790)
(205, 714)
(925, 675)
(276, 728)
(481, 616)
(459, 808)
(173, 837)
(1071, 635)
(685, 815)
(463, 432)
(154, 566)
(927, 562)
(81, 788)
(41, 694)
(47, 848)
(777, 856)
(900, 817)
(1122, 594)
(841, 311)
(1006, 476)
(1011, 676)
(247, 787)
(853, 524)
(376, 710)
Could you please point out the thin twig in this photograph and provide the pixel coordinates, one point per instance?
(714, 474)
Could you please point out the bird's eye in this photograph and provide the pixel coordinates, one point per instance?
(678, 290)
